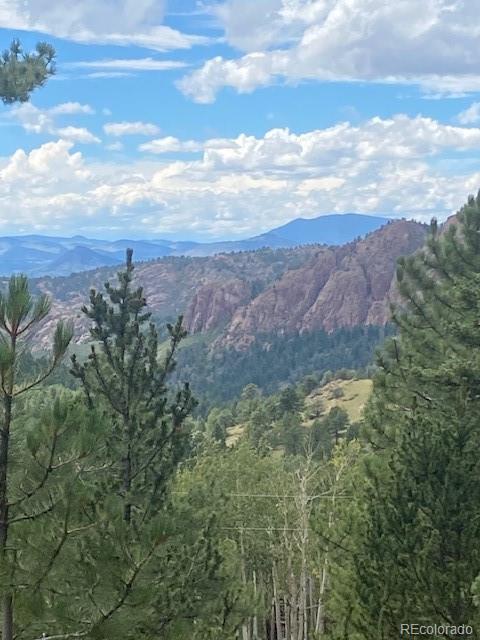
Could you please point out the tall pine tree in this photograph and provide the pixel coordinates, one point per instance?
(417, 553)
(20, 314)
(124, 377)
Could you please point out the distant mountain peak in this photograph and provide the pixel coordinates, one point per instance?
(331, 229)
(37, 255)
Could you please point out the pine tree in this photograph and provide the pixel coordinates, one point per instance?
(124, 378)
(21, 73)
(124, 374)
(52, 506)
(418, 553)
(20, 314)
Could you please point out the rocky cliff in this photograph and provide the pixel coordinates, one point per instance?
(337, 287)
(240, 295)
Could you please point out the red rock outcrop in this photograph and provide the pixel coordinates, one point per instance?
(339, 287)
(245, 294)
(214, 304)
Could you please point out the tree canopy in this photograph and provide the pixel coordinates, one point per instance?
(21, 72)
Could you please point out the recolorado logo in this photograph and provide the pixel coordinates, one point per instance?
(435, 630)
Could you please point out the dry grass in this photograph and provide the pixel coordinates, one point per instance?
(355, 394)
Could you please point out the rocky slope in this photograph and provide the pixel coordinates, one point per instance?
(238, 296)
(338, 287)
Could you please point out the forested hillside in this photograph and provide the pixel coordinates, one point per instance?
(273, 360)
(304, 505)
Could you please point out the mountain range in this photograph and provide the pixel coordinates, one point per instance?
(233, 298)
(37, 255)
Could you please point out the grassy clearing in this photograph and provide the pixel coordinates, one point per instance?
(351, 395)
(354, 395)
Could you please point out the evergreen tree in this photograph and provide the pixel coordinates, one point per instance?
(291, 434)
(258, 428)
(418, 552)
(21, 73)
(289, 401)
(20, 315)
(218, 421)
(124, 374)
(52, 506)
(320, 441)
(327, 432)
(140, 557)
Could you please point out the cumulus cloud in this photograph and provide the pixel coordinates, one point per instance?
(119, 22)
(330, 40)
(470, 115)
(119, 129)
(259, 25)
(71, 108)
(35, 120)
(245, 185)
(77, 134)
(170, 144)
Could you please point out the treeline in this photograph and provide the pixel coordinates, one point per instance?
(274, 360)
(124, 516)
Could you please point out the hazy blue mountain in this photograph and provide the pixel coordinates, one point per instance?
(79, 258)
(143, 250)
(38, 255)
(332, 229)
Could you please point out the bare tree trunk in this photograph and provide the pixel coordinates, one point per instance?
(320, 625)
(7, 627)
(286, 617)
(272, 621)
(7, 604)
(303, 621)
(255, 617)
(276, 600)
(311, 614)
(293, 606)
(127, 474)
(245, 626)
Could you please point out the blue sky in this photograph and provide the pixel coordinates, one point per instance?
(222, 119)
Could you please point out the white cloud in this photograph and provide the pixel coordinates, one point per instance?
(45, 167)
(71, 108)
(114, 146)
(432, 43)
(170, 144)
(328, 183)
(119, 129)
(119, 22)
(259, 25)
(77, 134)
(470, 115)
(106, 75)
(126, 64)
(245, 185)
(31, 118)
(35, 120)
